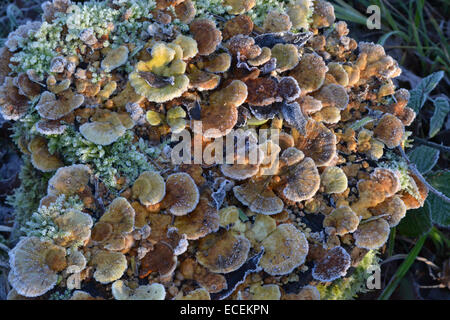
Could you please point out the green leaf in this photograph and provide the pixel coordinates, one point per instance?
(386, 36)
(243, 216)
(416, 222)
(440, 210)
(441, 109)
(403, 269)
(420, 94)
(424, 157)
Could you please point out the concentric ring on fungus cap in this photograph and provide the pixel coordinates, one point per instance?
(285, 249)
(182, 193)
(333, 266)
(303, 181)
(223, 251)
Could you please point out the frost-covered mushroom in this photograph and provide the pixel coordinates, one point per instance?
(223, 251)
(319, 143)
(310, 72)
(5, 56)
(26, 86)
(115, 58)
(284, 250)
(342, 221)
(50, 127)
(218, 63)
(263, 292)
(277, 21)
(160, 259)
(202, 80)
(121, 291)
(372, 235)
(182, 195)
(185, 11)
(41, 158)
(337, 74)
(13, 105)
(69, 180)
(390, 131)
(258, 197)
(149, 188)
(75, 227)
(300, 12)
(330, 115)
(261, 228)
(106, 128)
(334, 180)
(264, 57)
(239, 6)
(200, 222)
(393, 207)
(323, 15)
(420, 193)
(161, 78)
(333, 95)
(332, 266)
(120, 214)
(389, 179)
(373, 61)
(109, 266)
(291, 156)
(261, 91)
(302, 181)
(243, 46)
(206, 34)
(54, 108)
(35, 265)
(289, 89)
(241, 24)
(287, 56)
(219, 118)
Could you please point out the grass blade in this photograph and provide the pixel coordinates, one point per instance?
(403, 269)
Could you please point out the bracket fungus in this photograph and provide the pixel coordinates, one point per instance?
(284, 250)
(182, 195)
(34, 266)
(99, 95)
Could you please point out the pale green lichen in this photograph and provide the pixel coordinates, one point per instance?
(348, 288)
(41, 223)
(122, 158)
(63, 295)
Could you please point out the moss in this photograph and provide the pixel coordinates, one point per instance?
(41, 223)
(122, 158)
(25, 198)
(349, 288)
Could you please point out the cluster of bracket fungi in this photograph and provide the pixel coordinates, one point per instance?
(202, 231)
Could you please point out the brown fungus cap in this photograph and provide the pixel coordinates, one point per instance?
(109, 266)
(13, 105)
(202, 80)
(333, 95)
(239, 6)
(218, 63)
(303, 181)
(241, 24)
(390, 131)
(310, 72)
(185, 11)
(75, 227)
(206, 34)
(421, 193)
(389, 179)
(149, 188)
(258, 197)
(244, 46)
(277, 21)
(34, 266)
(332, 266)
(219, 118)
(27, 87)
(41, 158)
(105, 131)
(182, 195)
(161, 259)
(53, 108)
(372, 235)
(69, 180)
(284, 250)
(261, 91)
(223, 252)
(393, 207)
(200, 222)
(115, 58)
(342, 221)
(319, 143)
(287, 56)
(323, 15)
(334, 180)
(120, 214)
